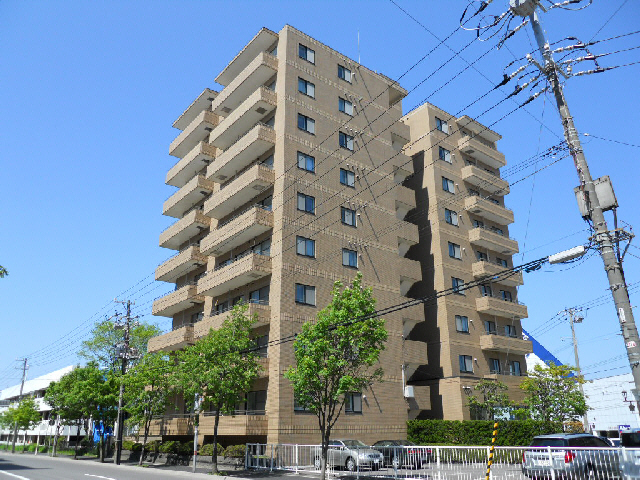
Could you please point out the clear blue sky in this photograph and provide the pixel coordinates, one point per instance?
(89, 91)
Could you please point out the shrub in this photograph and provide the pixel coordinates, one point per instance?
(31, 447)
(172, 446)
(153, 446)
(131, 445)
(235, 451)
(207, 449)
(186, 448)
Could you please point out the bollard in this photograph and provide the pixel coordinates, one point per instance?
(493, 446)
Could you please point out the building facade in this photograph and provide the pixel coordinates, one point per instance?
(463, 223)
(290, 178)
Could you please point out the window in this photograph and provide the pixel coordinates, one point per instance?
(454, 251)
(502, 262)
(485, 290)
(263, 248)
(349, 258)
(478, 224)
(494, 201)
(510, 331)
(481, 256)
(347, 178)
(514, 368)
(457, 284)
(353, 403)
(444, 154)
(450, 217)
(268, 162)
(237, 300)
(297, 407)
(306, 203)
(196, 317)
(305, 294)
(506, 296)
(307, 124)
(473, 193)
(448, 185)
(266, 203)
(348, 216)
(274, 50)
(466, 363)
(306, 162)
(344, 73)
(305, 247)
(260, 296)
(497, 230)
(442, 125)
(345, 106)
(220, 307)
(257, 401)
(346, 141)
(494, 365)
(462, 324)
(306, 87)
(306, 53)
(262, 343)
(490, 327)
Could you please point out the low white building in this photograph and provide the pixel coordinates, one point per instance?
(608, 412)
(47, 427)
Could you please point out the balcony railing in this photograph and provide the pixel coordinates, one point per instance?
(180, 264)
(485, 268)
(485, 208)
(241, 271)
(192, 192)
(258, 310)
(238, 230)
(194, 161)
(181, 231)
(177, 301)
(500, 307)
(194, 133)
(500, 342)
(472, 146)
(493, 240)
(485, 179)
(410, 273)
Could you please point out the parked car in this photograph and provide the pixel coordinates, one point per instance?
(630, 457)
(572, 454)
(402, 453)
(350, 454)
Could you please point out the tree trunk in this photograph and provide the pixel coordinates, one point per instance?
(323, 460)
(214, 457)
(55, 437)
(75, 452)
(102, 444)
(144, 440)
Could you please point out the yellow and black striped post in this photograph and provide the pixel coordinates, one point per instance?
(493, 446)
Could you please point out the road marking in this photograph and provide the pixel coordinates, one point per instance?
(98, 476)
(14, 475)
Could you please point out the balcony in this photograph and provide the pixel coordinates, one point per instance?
(485, 238)
(193, 134)
(402, 167)
(481, 178)
(250, 112)
(411, 316)
(501, 308)
(407, 237)
(239, 191)
(474, 147)
(194, 161)
(421, 400)
(489, 210)
(181, 264)
(234, 275)
(405, 200)
(486, 269)
(261, 311)
(414, 354)
(237, 230)
(261, 69)
(184, 229)
(171, 341)
(264, 39)
(244, 151)
(195, 190)
(502, 343)
(410, 273)
(175, 302)
(241, 424)
(202, 102)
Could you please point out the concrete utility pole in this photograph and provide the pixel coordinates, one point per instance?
(603, 238)
(15, 425)
(573, 319)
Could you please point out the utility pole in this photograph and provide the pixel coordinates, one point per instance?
(603, 238)
(125, 353)
(25, 367)
(573, 319)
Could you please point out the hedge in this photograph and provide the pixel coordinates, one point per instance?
(511, 433)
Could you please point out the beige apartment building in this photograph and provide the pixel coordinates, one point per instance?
(288, 179)
(464, 235)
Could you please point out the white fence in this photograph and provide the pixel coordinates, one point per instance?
(459, 463)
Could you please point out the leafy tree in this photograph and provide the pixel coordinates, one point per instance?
(220, 368)
(100, 347)
(147, 392)
(492, 399)
(336, 355)
(3, 272)
(553, 393)
(23, 416)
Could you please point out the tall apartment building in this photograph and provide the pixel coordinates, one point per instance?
(464, 235)
(289, 179)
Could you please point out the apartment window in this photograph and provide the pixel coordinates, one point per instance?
(494, 201)
(502, 262)
(457, 284)
(506, 296)
(220, 307)
(346, 141)
(306, 53)
(450, 217)
(466, 363)
(497, 230)
(305, 247)
(266, 203)
(345, 106)
(263, 248)
(444, 154)
(473, 193)
(237, 300)
(494, 365)
(305, 294)
(462, 324)
(442, 125)
(306, 162)
(260, 296)
(485, 290)
(257, 401)
(347, 178)
(514, 368)
(306, 87)
(344, 73)
(349, 258)
(298, 407)
(196, 317)
(510, 331)
(306, 203)
(478, 224)
(268, 162)
(307, 124)
(262, 344)
(448, 185)
(348, 216)
(353, 403)
(481, 256)
(490, 327)
(454, 251)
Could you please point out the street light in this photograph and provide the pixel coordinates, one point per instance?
(631, 403)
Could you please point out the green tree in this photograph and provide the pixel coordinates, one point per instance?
(553, 393)
(220, 368)
(23, 416)
(3, 272)
(336, 355)
(101, 346)
(492, 398)
(147, 392)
